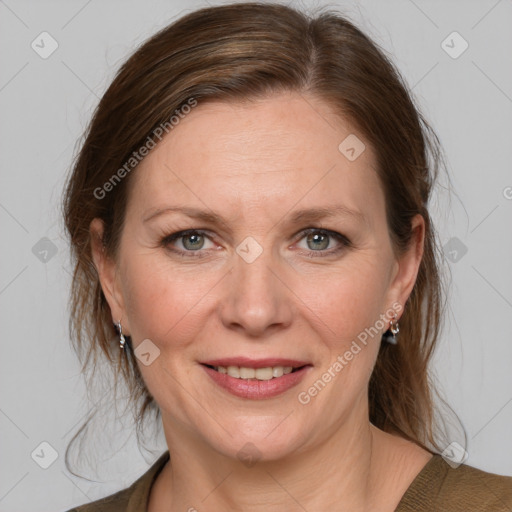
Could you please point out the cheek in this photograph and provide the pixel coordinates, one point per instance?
(348, 304)
(164, 303)
(346, 299)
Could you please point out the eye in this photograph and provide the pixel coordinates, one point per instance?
(194, 242)
(324, 241)
(188, 241)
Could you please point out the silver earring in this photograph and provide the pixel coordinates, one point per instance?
(394, 329)
(122, 341)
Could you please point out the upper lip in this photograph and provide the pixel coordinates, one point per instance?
(247, 362)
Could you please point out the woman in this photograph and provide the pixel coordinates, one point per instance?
(254, 254)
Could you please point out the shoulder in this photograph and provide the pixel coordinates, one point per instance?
(132, 499)
(114, 503)
(439, 486)
(475, 489)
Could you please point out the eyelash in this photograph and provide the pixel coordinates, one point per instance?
(344, 242)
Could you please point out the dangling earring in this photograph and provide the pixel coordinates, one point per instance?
(122, 341)
(394, 329)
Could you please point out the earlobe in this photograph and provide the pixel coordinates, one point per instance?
(106, 269)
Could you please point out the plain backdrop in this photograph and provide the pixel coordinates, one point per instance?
(46, 104)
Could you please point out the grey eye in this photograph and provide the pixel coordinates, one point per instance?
(192, 241)
(317, 240)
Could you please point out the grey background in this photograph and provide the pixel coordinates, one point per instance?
(46, 104)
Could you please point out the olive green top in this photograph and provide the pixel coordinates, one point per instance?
(438, 487)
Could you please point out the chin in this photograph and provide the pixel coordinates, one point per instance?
(264, 439)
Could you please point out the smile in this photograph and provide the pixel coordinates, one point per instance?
(256, 380)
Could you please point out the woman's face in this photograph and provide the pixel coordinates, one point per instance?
(257, 283)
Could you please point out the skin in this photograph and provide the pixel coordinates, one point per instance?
(256, 163)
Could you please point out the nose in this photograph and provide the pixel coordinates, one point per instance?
(257, 300)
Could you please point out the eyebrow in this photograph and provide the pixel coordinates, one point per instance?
(298, 216)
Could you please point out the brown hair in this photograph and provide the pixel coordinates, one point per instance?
(244, 51)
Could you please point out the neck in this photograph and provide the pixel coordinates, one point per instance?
(351, 471)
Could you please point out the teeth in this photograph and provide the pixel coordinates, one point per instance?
(277, 371)
(247, 373)
(233, 371)
(240, 372)
(264, 373)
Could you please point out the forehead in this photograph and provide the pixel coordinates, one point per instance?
(269, 153)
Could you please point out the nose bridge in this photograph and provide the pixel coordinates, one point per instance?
(253, 269)
(256, 299)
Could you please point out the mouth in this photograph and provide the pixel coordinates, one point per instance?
(256, 379)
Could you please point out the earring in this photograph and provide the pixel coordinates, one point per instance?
(122, 341)
(394, 329)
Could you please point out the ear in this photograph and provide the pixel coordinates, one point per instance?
(108, 273)
(408, 263)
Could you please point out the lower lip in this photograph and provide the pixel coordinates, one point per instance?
(255, 389)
